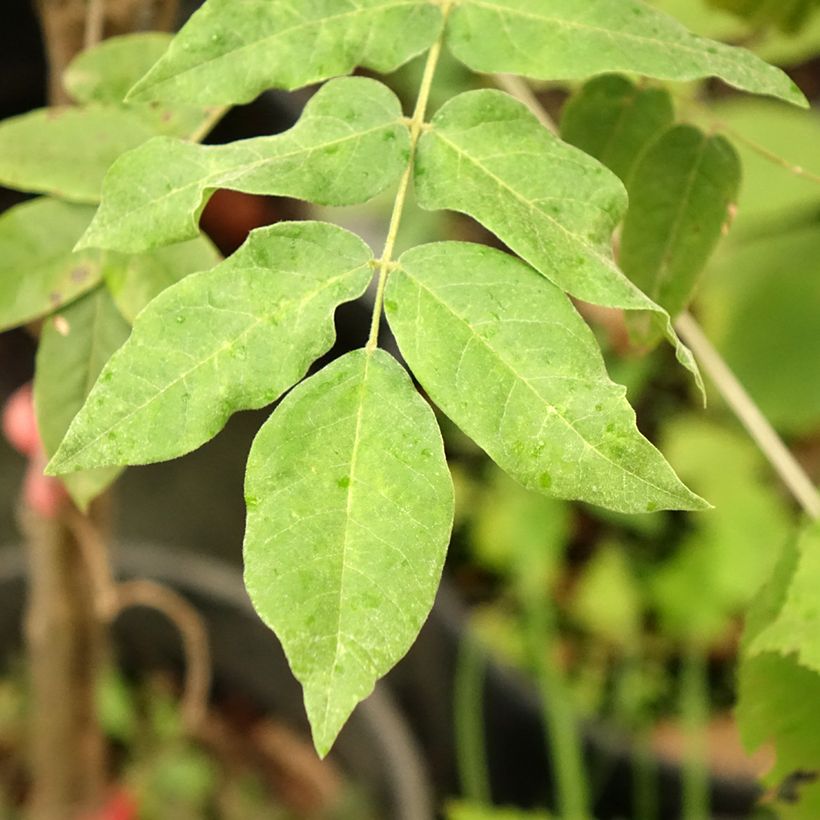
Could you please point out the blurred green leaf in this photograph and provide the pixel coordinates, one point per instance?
(787, 15)
(472, 811)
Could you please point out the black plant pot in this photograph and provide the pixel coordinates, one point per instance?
(375, 749)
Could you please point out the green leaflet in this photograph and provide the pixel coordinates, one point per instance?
(680, 197)
(230, 52)
(232, 338)
(135, 280)
(505, 355)
(487, 155)
(568, 39)
(38, 271)
(105, 73)
(349, 145)
(73, 349)
(66, 151)
(614, 120)
(350, 506)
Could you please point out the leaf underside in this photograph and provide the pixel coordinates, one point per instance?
(506, 356)
(349, 144)
(232, 338)
(350, 505)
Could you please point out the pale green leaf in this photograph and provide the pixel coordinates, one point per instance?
(230, 52)
(38, 271)
(106, 72)
(462, 810)
(350, 506)
(73, 348)
(680, 199)
(135, 280)
(787, 15)
(567, 39)
(487, 155)
(505, 355)
(66, 151)
(349, 145)
(232, 338)
(614, 120)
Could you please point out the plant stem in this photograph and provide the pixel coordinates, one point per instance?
(94, 22)
(695, 713)
(518, 88)
(749, 414)
(416, 127)
(468, 708)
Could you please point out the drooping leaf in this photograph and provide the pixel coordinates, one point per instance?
(73, 348)
(787, 15)
(135, 280)
(66, 151)
(487, 155)
(228, 339)
(105, 73)
(505, 355)
(230, 52)
(565, 39)
(614, 120)
(350, 506)
(349, 145)
(680, 197)
(38, 271)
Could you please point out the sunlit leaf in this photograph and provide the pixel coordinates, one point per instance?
(74, 346)
(349, 145)
(229, 52)
(567, 39)
(228, 339)
(504, 353)
(349, 513)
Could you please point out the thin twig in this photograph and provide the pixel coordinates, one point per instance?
(94, 552)
(163, 599)
(518, 88)
(750, 415)
(94, 22)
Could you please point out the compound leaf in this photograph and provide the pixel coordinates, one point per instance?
(350, 506)
(614, 120)
(680, 197)
(487, 155)
(74, 346)
(66, 151)
(567, 39)
(105, 73)
(349, 145)
(230, 52)
(135, 280)
(228, 339)
(505, 355)
(38, 271)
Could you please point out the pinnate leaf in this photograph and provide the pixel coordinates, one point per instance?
(38, 271)
(66, 151)
(349, 145)
(73, 348)
(230, 52)
(567, 39)
(680, 197)
(505, 355)
(614, 120)
(350, 506)
(228, 339)
(487, 155)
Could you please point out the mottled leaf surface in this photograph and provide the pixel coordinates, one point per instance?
(349, 145)
(229, 52)
(66, 151)
(567, 39)
(505, 355)
(74, 346)
(680, 197)
(350, 506)
(614, 120)
(105, 73)
(38, 271)
(232, 338)
(487, 155)
(135, 280)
